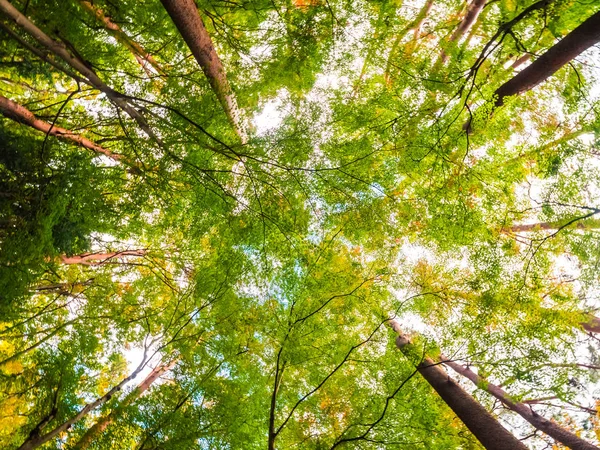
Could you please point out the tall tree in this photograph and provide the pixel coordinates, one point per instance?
(104, 422)
(72, 60)
(21, 114)
(465, 25)
(572, 45)
(145, 59)
(36, 440)
(478, 420)
(561, 435)
(186, 17)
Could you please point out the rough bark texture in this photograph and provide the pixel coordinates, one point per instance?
(19, 113)
(572, 45)
(487, 430)
(186, 18)
(62, 52)
(141, 55)
(550, 428)
(99, 258)
(102, 424)
(36, 441)
(473, 12)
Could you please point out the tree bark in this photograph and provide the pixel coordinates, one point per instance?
(572, 45)
(36, 441)
(520, 61)
(526, 412)
(592, 325)
(186, 18)
(102, 423)
(473, 12)
(19, 113)
(487, 430)
(89, 259)
(141, 55)
(61, 51)
(589, 224)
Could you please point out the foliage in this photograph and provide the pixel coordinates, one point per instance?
(266, 271)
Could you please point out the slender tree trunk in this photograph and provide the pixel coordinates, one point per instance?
(40, 54)
(414, 25)
(62, 52)
(520, 61)
(491, 434)
(19, 113)
(571, 46)
(473, 12)
(141, 55)
(186, 18)
(99, 258)
(589, 224)
(38, 343)
(63, 288)
(550, 428)
(102, 424)
(36, 441)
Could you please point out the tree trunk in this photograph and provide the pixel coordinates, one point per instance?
(19, 113)
(550, 428)
(36, 441)
(520, 61)
(103, 422)
(487, 430)
(141, 55)
(572, 45)
(589, 224)
(61, 51)
(592, 325)
(473, 12)
(186, 18)
(89, 259)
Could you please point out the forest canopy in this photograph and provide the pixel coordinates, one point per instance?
(312, 224)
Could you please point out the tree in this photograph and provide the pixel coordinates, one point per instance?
(17, 112)
(189, 23)
(580, 39)
(105, 421)
(253, 188)
(563, 436)
(478, 420)
(144, 58)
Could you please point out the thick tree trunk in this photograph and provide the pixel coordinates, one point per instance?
(89, 259)
(102, 424)
(550, 428)
(572, 45)
(186, 18)
(36, 441)
(61, 51)
(19, 113)
(477, 419)
(141, 55)
(473, 12)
